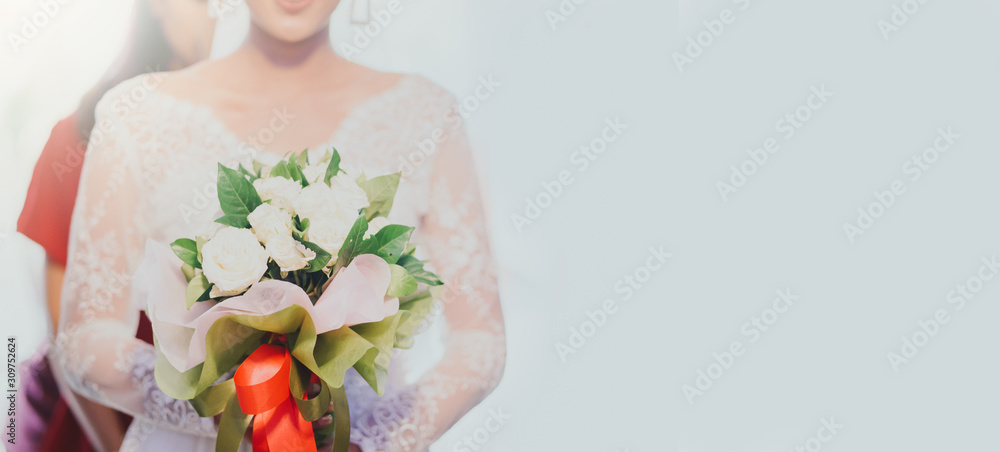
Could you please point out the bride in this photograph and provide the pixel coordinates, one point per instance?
(284, 89)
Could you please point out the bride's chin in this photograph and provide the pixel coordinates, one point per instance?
(294, 35)
(291, 21)
(292, 30)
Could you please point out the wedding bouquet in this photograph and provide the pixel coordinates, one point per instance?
(301, 279)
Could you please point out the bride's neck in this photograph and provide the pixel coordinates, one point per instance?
(313, 54)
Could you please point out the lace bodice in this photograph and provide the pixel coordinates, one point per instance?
(150, 173)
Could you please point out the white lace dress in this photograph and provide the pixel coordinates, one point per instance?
(152, 176)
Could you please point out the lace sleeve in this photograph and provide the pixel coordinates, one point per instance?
(454, 235)
(96, 351)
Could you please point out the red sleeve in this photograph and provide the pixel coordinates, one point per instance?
(52, 193)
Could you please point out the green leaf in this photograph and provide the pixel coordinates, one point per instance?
(299, 232)
(273, 270)
(333, 167)
(197, 288)
(236, 194)
(187, 250)
(281, 170)
(388, 243)
(416, 268)
(353, 241)
(188, 271)
(326, 157)
(253, 176)
(207, 295)
(302, 158)
(201, 241)
(235, 220)
(401, 284)
(381, 192)
(322, 257)
(295, 171)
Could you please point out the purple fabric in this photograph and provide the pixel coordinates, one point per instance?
(36, 398)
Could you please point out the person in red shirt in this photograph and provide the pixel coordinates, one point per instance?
(165, 35)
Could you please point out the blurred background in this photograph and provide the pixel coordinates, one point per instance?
(657, 114)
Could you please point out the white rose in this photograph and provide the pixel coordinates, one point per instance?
(289, 253)
(279, 190)
(314, 173)
(347, 194)
(349, 169)
(233, 261)
(315, 202)
(267, 221)
(329, 232)
(376, 225)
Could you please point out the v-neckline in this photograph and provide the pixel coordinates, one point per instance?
(346, 120)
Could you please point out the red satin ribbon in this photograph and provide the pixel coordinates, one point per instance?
(262, 390)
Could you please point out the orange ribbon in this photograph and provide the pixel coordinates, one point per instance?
(262, 390)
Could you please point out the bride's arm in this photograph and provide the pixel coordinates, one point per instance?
(455, 238)
(96, 350)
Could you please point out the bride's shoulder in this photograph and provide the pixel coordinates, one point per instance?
(153, 97)
(418, 96)
(426, 88)
(190, 82)
(137, 97)
(406, 85)
(126, 98)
